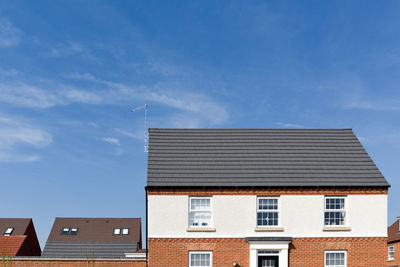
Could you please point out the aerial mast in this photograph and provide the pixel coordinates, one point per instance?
(145, 124)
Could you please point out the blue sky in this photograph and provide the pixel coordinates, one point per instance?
(70, 71)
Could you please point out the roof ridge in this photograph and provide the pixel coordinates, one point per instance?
(288, 129)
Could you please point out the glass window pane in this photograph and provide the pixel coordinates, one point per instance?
(199, 218)
(200, 260)
(117, 231)
(125, 231)
(267, 218)
(198, 204)
(336, 259)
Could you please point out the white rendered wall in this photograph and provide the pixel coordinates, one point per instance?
(300, 216)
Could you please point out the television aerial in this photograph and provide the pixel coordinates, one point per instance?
(146, 148)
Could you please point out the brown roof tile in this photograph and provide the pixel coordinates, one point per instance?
(10, 245)
(20, 225)
(96, 230)
(393, 232)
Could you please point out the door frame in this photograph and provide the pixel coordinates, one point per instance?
(282, 247)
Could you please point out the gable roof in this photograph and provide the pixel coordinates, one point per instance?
(20, 225)
(259, 157)
(94, 238)
(96, 229)
(393, 232)
(11, 245)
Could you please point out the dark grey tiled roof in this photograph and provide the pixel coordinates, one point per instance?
(259, 157)
(88, 249)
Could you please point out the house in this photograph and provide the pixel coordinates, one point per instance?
(393, 255)
(94, 238)
(18, 237)
(264, 197)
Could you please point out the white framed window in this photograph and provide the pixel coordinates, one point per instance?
(121, 231)
(200, 259)
(8, 231)
(391, 253)
(267, 211)
(337, 258)
(335, 211)
(69, 231)
(125, 231)
(200, 212)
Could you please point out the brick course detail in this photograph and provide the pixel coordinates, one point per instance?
(361, 251)
(268, 191)
(173, 252)
(303, 252)
(76, 263)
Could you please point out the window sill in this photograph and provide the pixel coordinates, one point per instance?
(268, 229)
(200, 229)
(336, 229)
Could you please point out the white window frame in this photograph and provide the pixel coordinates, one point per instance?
(277, 211)
(125, 231)
(390, 257)
(8, 231)
(69, 231)
(336, 251)
(121, 231)
(200, 252)
(336, 210)
(211, 213)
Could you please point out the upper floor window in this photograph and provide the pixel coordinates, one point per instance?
(200, 259)
(8, 231)
(391, 253)
(335, 258)
(267, 211)
(200, 212)
(121, 231)
(335, 211)
(69, 231)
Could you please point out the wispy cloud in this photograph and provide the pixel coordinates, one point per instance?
(68, 49)
(134, 135)
(289, 125)
(377, 105)
(9, 34)
(111, 140)
(197, 108)
(25, 95)
(9, 73)
(15, 133)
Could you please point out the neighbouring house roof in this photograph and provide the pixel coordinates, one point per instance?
(11, 245)
(94, 238)
(23, 234)
(393, 232)
(20, 225)
(259, 157)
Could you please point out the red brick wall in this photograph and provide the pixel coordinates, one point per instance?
(361, 252)
(303, 252)
(171, 252)
(396, 260)
(76, 263)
